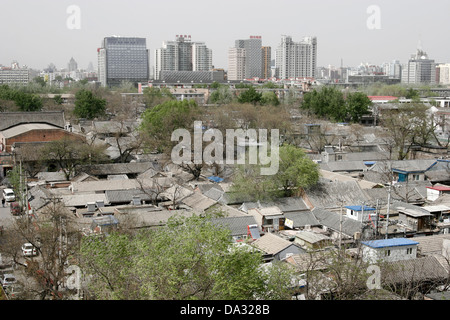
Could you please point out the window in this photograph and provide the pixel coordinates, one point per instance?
(409, 251)
(387, 253)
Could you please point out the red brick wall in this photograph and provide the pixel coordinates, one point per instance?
(39, 136)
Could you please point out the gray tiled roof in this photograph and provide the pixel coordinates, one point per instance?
(119, 168)
(302, 218)
(126, 196)
(328, 194)
(237, 225)
(10, 119)
(332, 220)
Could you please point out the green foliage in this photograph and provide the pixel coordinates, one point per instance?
(87, 105)
(296, 171)
(329, 102)
(154, 96)
(269, 98)
(25, 101)
(222, 95)
(159, 122)
(188, 259)
(250, 96)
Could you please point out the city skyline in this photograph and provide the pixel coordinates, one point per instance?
(43, 36)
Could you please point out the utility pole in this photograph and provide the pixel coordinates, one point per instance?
(388, 208)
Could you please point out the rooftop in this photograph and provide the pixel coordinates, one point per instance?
(396, 242)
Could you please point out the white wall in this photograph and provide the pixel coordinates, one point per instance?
(396, 253)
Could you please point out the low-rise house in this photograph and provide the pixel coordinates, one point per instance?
(312, 241)
(198, 201)
(415, 219)
(434, 192)
(330, 194)
(361, 213)
(268, 219)
(340, 227)
(275, 247)
(300, 220)
(241, 228)
(414, 277)
(389, 250)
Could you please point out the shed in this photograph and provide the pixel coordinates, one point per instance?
(434, 192)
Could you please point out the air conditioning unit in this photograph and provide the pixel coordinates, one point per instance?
(357, 235)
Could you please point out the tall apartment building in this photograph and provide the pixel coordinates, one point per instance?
(296, 59)
(443, 74)
(236, 64)
(182, 55)
(419, 69)
(123, 59)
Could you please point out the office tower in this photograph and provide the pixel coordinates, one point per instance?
(182, 55)
(72, 65)
(253, 56)
(236, 64)
(123, 59)
(296, 59)
(419, 69)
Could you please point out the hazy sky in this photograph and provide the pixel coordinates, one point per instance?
(36, 33)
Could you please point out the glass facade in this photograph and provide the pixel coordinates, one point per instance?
(123, 59)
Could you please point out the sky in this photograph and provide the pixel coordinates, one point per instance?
(39, 32)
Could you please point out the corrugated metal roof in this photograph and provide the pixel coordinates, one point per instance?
(396, 242)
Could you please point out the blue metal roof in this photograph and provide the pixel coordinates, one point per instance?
(396, 242)
(360, 208)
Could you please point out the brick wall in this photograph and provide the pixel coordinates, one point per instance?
(38, 136)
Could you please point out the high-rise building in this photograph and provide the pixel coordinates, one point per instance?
(443, 73)
(419, 69)
(253, 56)
(296, 59)
(72, 65)
(123, 59)
(182, 55)
(249, 59)
(236, 64)
(266, 62)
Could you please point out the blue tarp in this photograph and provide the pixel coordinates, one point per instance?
(215, 179)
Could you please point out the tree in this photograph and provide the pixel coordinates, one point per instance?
(69, 154)
(269, 98)
(159, 122)
(407, 126)
(56, 240)
(296, 172)
(250, 96)
(87, 105)
(221, 95)
(329, 102)
(189, 258)
(155, 96)
(357, 106)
